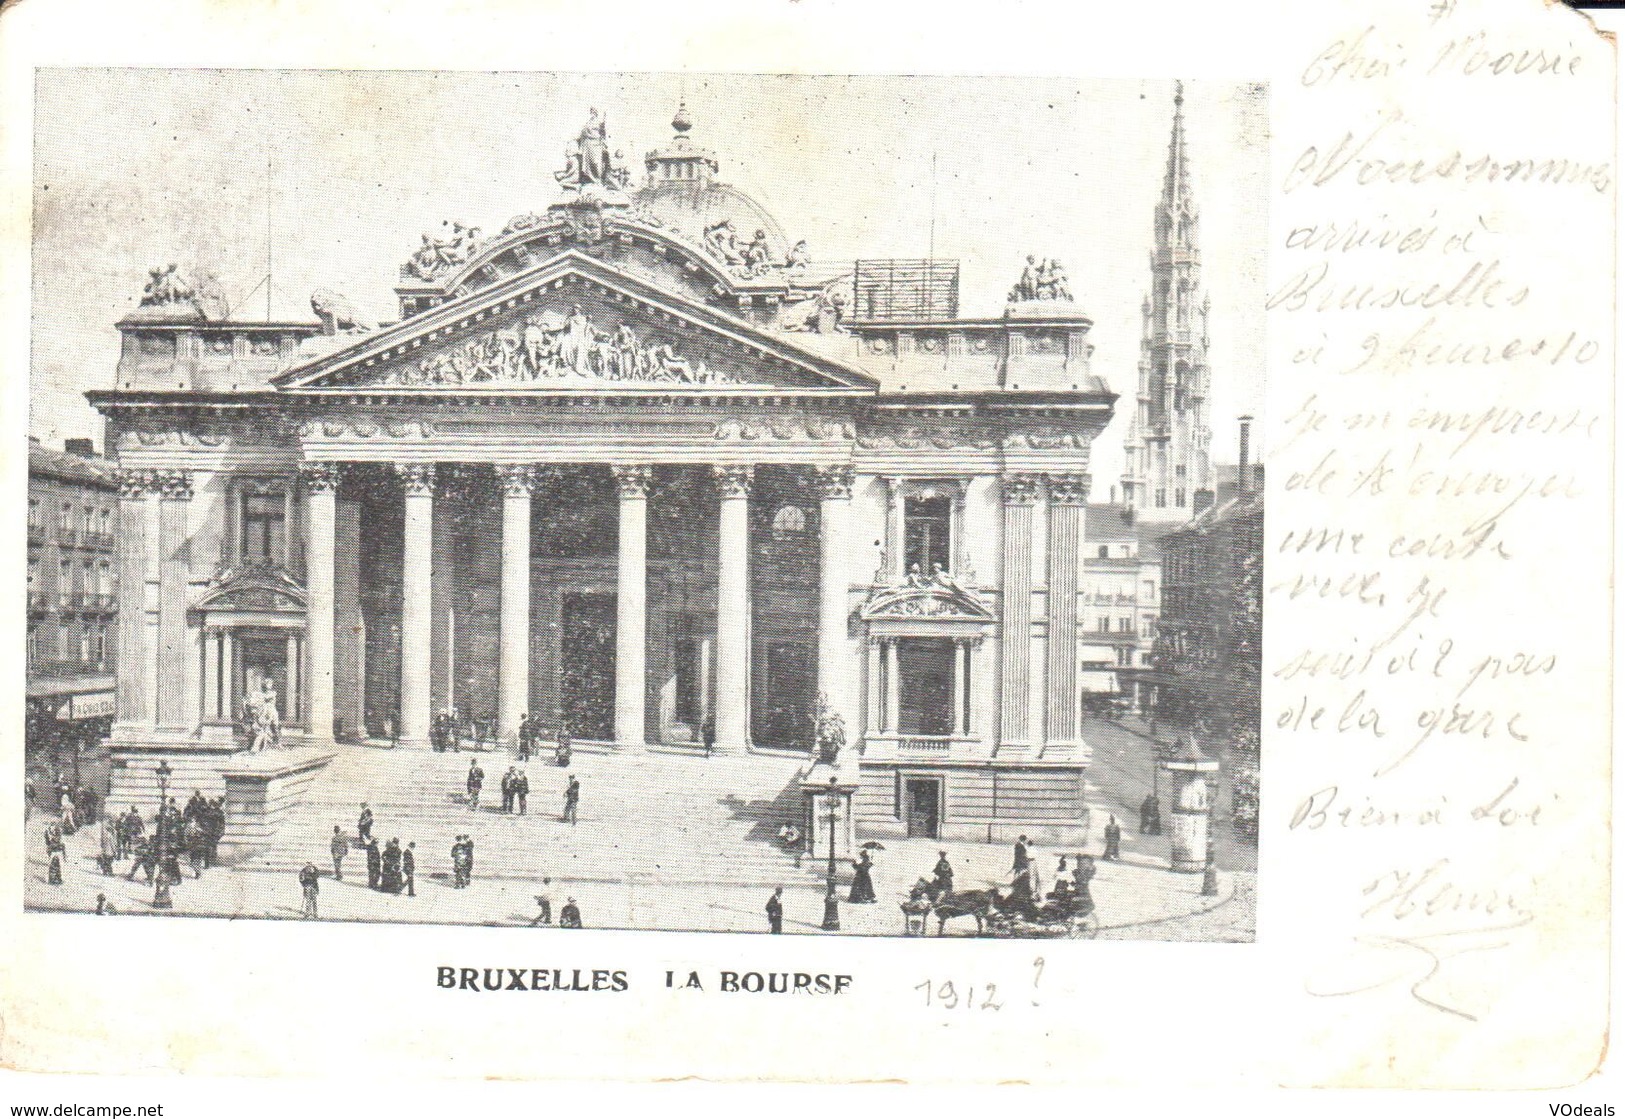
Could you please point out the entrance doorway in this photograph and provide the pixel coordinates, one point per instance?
(922, 806)
(587, 666)
(785, 713)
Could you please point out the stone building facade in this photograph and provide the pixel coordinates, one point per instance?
(636, 466)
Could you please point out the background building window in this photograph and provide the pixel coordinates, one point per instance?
(107, 522)
(64, 581)
(33, 516)
(1162, 499)
(1125, 625)
(1179, 498)
(264, 526)
(1104, 625)
(1150, 589)
(65, 521)
(90, 520)
(98, 647)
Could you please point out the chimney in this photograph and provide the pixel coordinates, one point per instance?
(83, 447)
(1244, 468)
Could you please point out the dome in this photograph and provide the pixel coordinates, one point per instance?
(690, 208)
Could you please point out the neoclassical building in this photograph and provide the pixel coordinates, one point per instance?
(635, 465)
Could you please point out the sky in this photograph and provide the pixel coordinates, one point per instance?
(328, 179)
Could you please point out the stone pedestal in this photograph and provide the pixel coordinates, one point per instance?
(819, 785)
(261, 790)
(1192, 814)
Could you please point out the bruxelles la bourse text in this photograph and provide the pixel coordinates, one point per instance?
(605, 979)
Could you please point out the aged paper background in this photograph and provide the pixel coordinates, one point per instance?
(1446, 440)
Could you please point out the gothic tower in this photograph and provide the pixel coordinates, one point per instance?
(1167, 475)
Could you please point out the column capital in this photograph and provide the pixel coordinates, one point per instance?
(320, 477)
(417, 478)
(632, 481)
(1069, 489)
(1022, 488)
(733, 481)
(137, 484)
(173, 485)
(518, 478)
(834, 482)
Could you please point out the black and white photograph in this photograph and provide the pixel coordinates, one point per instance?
(798, 505)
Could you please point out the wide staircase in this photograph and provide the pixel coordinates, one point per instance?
(656, 816)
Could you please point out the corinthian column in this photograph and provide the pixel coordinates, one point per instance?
(1068, 496)
(321, 489)
(1021, 493)
(135, 707)
(513, 638)
(834, 671)
(733, 607)
(174, 571)
(417, 568)
(631, 593)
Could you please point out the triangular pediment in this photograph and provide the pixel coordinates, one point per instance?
(252, 587)
(571, 325)
(920, 598)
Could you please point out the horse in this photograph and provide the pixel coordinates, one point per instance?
(958, 903)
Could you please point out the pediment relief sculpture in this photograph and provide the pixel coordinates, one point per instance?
(555, 345)
(259, 587)
(935, 596)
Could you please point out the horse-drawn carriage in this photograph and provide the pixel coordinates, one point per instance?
(1068, 911)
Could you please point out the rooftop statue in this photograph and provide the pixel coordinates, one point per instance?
(441, 254)
(588, 161)
(166, 287)
(1041, 281)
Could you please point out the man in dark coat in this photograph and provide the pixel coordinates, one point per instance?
(409, 869)
(476, 781)
(363, 826)
(507, 790)
(1150, 816)
(570, 915)
(524, 738)
(308, 879)
(521, 790)
(133, 830)
(390, 880)
(775, 911)
(944, 873)
(1114, 838)
(375, 864)
(572, 800)
(1021, 859)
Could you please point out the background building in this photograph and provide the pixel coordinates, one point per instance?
(72, 611)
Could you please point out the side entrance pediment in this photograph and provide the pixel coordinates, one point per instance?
(575, 324)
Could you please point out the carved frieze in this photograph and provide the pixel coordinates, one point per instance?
(920, 437)
(751, 429)
(1046, 439)
(518, 479)
(174, 485)
(367, 428)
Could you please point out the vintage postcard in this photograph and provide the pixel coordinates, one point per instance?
(749, 550)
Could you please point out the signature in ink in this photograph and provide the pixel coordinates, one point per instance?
(1424, 960)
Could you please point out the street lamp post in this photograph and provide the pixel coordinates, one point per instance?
(832, 909)
(161, 839)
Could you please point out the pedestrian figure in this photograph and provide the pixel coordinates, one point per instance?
(561, 751)
(1114, 837)
(104, 908)
(570, 915)
(458, 869)
(708, 733)
(391, 878)
(169, 862)
(144, 857)
(544, 905)
(215, 826)
(1081, 876)
(524, 738)
(340, 847)
(1150, 815)
(54, 852)
(161, 898)
(775, 911)
(572, 800)
(134, 829)
(863, 887)
(197, 846)
(506, 785)
(521, 790)
(944, 874)
(409, 869)
(363, 826)
(308, 886)
(70, 821)
(468, 859)
(375, 864)
(1021, 859)
(476, 779)
(109, 845)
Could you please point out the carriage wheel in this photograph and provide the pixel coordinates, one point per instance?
(1085, 927)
